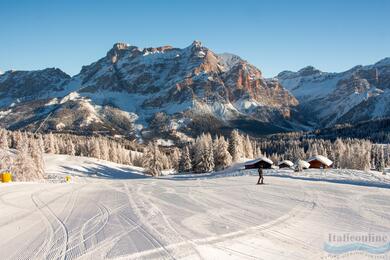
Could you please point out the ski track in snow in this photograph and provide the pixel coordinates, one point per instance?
(168, 218)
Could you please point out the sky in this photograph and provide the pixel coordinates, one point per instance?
(273, 35)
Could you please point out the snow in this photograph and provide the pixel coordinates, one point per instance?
(60, 126)
(5, 113)
(383, 62)
(287, 162)
(228, 60)
(322, 159)
(85, 169)
(165, 142)
(114, 211)
(311, 87)
(70, 96)
(52, 102)
(265, 159)
(303, 164)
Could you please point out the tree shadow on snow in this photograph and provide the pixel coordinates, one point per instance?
(101, 171)
(365, 183)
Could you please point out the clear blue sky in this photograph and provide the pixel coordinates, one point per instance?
(273, 35)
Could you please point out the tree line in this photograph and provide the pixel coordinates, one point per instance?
(22, 152)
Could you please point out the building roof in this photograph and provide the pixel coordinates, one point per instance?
(303, 164)
(322, 159)
(287, 162)
(265, 159)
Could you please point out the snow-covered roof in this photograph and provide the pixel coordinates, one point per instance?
(265, 159)
(287, 162)
(303, 164)
(322, 159)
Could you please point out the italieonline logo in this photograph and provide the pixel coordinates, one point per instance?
(369, 243)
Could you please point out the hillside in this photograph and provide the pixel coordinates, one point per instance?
(359, 94)
(165, 89)
(112, 211)
(178, 93)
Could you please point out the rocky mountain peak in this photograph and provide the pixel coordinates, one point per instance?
(229, 60)
(119, 50)
(196, 44)
(383, 62)
(308, 70)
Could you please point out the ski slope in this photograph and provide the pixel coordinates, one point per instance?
(111, 211)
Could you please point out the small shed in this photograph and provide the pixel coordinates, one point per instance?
(262, 162)
(319, 162)
(285, 164)
(301, 164)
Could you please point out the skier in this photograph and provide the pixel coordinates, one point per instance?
(261, 178)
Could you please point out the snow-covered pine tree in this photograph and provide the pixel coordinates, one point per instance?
(235, 145)
(6, 161)
(312, 151)
(258, 152)
(50, 144)
(152, 160)
(248, 149)
(3, 139)
(203, 154)
(174, 158)
(222, 157)
(94, 148)
(70, 147)
(37, 156)
(104, 149)
(23, 167)
(209, 154)
(378, 158)
(113, 152)
(185, 164)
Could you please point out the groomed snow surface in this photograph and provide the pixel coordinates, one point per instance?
(115, 212)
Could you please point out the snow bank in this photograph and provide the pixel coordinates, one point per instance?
(343, 176)
(85, 169)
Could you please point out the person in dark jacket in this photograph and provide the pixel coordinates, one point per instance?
(261, 178)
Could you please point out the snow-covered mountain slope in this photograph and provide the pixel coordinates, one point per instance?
(170, 79)
(135, 84)
(113, 211)
(133, 91)
(360, 93)
(21, 86)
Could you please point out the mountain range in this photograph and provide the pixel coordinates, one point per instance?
(167, 91)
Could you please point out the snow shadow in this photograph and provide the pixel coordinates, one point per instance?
(365, 183)
(101, 171)
(240, 172)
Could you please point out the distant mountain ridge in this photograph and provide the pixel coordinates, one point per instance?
(180, 92)
(123, 92)
(361, 93)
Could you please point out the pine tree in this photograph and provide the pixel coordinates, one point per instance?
(152, 160)
(50, 145)
(222, 157)
(94, 148)
(3, 139)
(235, 146)
(185, 164)
(104, 149)
(248, 149)
(37, 156)
(23, 167)
(339, 150)
(6, 161)
(70, 148)
(203, 154)
(174, 158)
